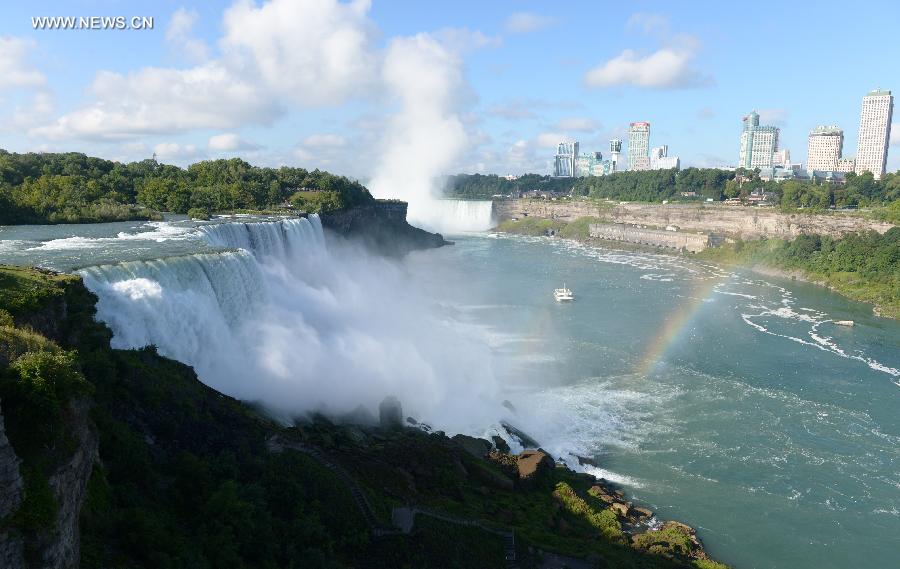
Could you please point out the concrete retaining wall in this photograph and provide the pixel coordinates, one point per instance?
(692, 242)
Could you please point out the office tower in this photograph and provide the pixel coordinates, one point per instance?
(826, 144)
(874, 132)
(639, 146)
(758, 143)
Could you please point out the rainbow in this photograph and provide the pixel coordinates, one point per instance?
(675, 323)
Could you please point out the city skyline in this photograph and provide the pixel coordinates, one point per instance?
(502, 95)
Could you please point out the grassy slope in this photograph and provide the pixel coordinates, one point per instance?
(185, 478)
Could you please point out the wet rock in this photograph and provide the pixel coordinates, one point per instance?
(531, 464)
(522, 437)
(600, 493)
(479, 448)
(500, 444)
(390, 413)
(643, 513)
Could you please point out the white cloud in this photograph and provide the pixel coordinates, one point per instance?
(464, 40)
(526, 22)
(583, 124)
(648, 23)
(14, 69)
(314, 52)
(667, 68)
(552, 139)
(161, 101)
(178, 34)
(328, 140)
(176, 153)
(230, 142)
(307, 52)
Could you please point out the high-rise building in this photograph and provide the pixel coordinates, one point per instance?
(566, 156)
(758, 143)
(826, 145)
(639, 146)
(781, 158)
(846, 165)
(874, 132)
(660, 159)
(590, 164)
(615, 148)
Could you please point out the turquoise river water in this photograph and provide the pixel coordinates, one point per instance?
(727, 400)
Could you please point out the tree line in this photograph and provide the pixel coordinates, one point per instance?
(690, 183)
(72, 187)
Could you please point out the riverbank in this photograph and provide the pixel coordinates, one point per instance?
(746, 223)
(878, 286)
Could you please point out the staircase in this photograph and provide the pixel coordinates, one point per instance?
(403, 519)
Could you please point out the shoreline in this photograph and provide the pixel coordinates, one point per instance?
(760, 268)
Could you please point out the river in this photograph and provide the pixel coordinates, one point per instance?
(727, 400)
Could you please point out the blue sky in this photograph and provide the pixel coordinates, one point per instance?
(366, 89)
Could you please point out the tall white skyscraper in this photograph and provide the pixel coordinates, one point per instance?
(825, 147)
(639, 146)
(758, 143)
(874, 132)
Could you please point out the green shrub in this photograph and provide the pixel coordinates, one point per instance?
(578, 229)
(604, 520)
(667, 541)
(38, 509)
(198, 213)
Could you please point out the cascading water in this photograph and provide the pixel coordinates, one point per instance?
(280, 319)
(454, 216)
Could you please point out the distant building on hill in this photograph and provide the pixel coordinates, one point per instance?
(824, 149)
(660, 159)
(566, 155)
(874, 132)
(758, 143)
(639, 146)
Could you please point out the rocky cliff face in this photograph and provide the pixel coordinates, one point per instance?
(60, 547)
(743, 222)
(12, 545)
(381, 226)
(57, 545)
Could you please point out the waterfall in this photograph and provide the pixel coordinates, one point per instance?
(278, 318)
(454, 216)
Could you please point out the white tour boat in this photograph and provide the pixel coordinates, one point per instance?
(563, 294)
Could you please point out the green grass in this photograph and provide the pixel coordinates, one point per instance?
(533, 226)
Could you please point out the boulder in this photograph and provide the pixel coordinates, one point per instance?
(479, 448)
(500, 444)
(532, 464)
(643, 513)
(390, 413)
(523, 438)
(600, 493)
(620, 509)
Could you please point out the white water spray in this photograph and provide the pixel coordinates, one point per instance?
(282, 320)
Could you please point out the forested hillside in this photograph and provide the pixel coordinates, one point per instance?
(73, 188)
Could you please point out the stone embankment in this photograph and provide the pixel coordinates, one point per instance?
(736, 222)
(693, 242)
